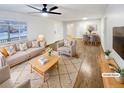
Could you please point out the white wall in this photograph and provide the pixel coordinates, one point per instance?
(102, 36)
(78, 28)
(114, 17)
(51, 29)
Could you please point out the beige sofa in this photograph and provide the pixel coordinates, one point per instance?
(21, 56)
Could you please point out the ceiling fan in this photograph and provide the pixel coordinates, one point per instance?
(45, 10)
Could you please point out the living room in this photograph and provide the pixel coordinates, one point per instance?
(69, 23)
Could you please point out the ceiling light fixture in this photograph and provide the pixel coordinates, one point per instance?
(45, 14)
(85, 18)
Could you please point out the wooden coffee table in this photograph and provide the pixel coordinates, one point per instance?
(42, 69)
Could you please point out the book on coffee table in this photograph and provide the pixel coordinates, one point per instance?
(43, 60)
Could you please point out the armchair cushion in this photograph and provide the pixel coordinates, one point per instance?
(64, 49)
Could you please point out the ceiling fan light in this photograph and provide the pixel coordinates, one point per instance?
(85, 18)
(44, 14)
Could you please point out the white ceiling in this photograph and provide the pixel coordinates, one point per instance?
(69, 11)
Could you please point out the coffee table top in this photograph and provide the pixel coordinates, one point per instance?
(52, 60)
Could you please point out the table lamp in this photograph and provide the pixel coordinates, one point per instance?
(40, 38)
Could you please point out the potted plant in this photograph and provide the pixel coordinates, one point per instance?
(107, 54)
(117, 69)
(49, 50)
(120, 79)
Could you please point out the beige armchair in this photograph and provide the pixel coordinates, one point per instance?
(5, 81)
(67, 50)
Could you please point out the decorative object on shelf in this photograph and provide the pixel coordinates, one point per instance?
(49, 50)
(107, 54)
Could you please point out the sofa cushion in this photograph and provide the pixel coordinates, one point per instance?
(33, 51)
(17, 58)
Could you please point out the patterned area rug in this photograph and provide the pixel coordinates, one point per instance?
(64, 77)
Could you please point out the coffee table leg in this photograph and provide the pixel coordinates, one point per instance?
(43, 77)
(58, 65)
(31, 68)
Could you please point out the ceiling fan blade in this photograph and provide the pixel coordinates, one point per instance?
(54, 13)
(33, 12)
(34, 8)
(53, 8)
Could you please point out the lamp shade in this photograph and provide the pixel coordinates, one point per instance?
(40, 38)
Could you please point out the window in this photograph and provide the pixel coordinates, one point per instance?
(12, 31)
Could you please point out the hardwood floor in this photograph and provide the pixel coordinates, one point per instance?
(89, 75)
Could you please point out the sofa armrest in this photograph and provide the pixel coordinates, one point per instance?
(4, 73)
(25, 84)
(2, 60)
(60, 44)
(73, 48)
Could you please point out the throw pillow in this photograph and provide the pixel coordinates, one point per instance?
(35, 44)
(17, 47)
(29, 44)
(42, 44)
(4, 52)
(67, 43)
(23, 46)
(11, 50)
